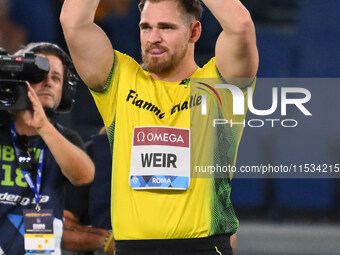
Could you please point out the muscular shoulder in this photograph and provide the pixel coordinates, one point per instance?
(123, 66)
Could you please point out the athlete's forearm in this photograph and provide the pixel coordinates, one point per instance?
(231, 14)
(236, 51)
(78, 13)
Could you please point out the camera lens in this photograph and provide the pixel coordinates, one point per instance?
(8, 96)
(13, 95)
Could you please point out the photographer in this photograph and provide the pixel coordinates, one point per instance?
(37, 157)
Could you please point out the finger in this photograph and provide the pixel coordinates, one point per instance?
(31, 91)
(35, 101)
(33, 97)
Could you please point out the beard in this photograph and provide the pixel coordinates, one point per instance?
(164, 64)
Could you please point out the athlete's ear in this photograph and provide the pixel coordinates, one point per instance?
(195, 31)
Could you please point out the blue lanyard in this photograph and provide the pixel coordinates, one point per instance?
(35, 188)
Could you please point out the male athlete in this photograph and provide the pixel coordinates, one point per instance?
(157, 207)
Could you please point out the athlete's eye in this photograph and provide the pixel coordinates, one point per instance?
(167, 28)
(145, 27)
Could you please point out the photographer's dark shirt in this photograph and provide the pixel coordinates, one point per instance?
(15, 195)
(91, 203)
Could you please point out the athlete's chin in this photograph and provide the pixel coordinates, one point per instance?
(157, 65)
(156, 59)
(157, 68)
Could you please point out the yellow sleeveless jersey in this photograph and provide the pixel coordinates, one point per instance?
(146, 205)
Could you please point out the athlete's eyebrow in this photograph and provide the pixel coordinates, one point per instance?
(143, 24)
(159, 24)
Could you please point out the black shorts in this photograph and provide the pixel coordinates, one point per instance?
(213, 245)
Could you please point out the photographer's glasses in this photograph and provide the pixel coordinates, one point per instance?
(25, 159)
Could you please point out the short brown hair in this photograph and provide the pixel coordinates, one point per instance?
(192, 7)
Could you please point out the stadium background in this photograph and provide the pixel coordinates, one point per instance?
(296, 38)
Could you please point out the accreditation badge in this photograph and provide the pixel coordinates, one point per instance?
(39, 236)
(160, 158)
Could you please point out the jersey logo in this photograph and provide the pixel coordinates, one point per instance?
(185, 82)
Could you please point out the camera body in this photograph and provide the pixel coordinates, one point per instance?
(14, 71)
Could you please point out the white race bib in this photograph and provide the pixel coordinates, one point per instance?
(160, 158)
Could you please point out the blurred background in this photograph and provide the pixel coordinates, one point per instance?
(295, 38)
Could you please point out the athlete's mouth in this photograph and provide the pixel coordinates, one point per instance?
(156, 51)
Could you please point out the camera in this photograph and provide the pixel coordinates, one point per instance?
(14, 71)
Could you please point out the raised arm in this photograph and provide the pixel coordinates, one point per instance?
(236, 51)
(90, 48)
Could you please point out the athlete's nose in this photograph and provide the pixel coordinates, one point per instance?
(155, 36)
